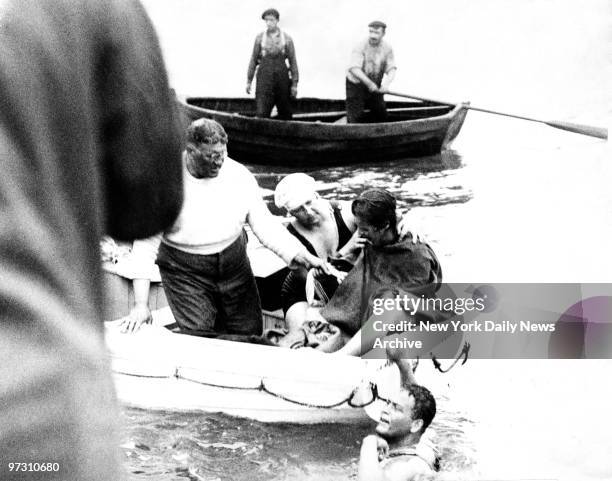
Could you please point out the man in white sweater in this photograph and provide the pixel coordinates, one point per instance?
(202, 258)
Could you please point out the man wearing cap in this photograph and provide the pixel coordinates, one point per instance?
(276, 82)
(202, 258)
(371, 70)
(401, 450)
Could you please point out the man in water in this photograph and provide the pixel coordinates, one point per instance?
(399, 451)
(276, 83)
(371, 70)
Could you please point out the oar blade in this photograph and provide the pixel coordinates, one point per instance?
(599, 132)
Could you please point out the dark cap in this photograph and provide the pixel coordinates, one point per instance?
(378, 24)
(271, 11)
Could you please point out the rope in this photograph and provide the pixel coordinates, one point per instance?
(463, 354)
(301, 403)
(263, 388)
(141, 375)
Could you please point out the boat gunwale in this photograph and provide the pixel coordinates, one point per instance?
(298, 128)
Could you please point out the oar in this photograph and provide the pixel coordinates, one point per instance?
(338, 113)
(599, 132)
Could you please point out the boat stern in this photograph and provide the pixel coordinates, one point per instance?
(458, 115)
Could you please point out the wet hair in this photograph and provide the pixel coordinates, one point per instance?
(270, 11)
(424, 404)
(378, 24)
(377, 208)
(206, 131)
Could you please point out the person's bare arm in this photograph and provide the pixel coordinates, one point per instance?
(389, 72)
(388, 78)
(364, 79)
(404, 365)
(373, 448)
(351, 250)
(144, 253)
(275, 237)
(139, 314)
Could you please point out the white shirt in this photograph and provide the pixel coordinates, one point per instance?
(213, 215)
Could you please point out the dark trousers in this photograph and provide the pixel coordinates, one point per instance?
(211, 294)
(358, 99)
(273, 88)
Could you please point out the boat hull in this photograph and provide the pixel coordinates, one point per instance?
(157, 369)
(182, 396)
(415, 130)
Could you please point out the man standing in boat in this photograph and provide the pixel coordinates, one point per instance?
(202, 258)
(371, 70)
(276, 82)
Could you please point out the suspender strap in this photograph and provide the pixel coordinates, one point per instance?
(264, 38)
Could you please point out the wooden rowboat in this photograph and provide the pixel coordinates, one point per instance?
(317, 135)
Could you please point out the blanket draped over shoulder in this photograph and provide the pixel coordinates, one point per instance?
(400, 268)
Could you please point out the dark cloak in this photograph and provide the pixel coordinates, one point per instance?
(400, 268)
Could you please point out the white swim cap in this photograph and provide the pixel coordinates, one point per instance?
(294, 190)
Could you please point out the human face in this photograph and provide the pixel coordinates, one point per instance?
(375, 36)
(205, 160)
(374, 235)
(396, 419)
(310, 213)
(271, 22)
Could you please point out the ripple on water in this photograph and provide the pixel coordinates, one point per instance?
(419, 182)
(165, 445)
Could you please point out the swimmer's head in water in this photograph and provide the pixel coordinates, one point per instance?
(411, 412)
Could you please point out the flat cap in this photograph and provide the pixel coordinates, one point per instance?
(377, 24)
(270, 11)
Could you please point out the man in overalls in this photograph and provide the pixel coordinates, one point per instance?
(371, 70)
(276, 82)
